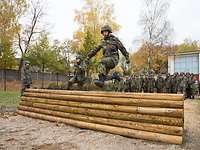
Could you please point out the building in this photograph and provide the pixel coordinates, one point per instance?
(185, 62)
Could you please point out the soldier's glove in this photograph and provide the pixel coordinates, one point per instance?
(87, 61)
(127, 61)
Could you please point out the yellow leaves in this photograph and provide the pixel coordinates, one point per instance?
(90, 19)
(158, 62)
(188, 46)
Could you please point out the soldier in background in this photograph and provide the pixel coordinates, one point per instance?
(167, 86)
(140, 83)
(145, 83)
(182, 83)
(160, 84)
(193, 86)
(151, 83)
(79, 73)
(26, 76)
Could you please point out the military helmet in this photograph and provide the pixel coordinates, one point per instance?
(27, 62)
(79, 57)
(106, 28)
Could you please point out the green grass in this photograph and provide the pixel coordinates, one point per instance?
(9, 98)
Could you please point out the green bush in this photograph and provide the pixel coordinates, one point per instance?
(53, 86)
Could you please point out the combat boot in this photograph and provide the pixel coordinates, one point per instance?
(100, 81)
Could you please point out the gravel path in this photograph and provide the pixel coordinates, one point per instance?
(22, 133)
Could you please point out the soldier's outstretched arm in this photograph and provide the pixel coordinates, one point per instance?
(95, 50)
(123, 50)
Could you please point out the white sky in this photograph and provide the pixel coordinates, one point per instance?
(184, 16)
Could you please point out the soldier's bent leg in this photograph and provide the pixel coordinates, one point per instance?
(105, 65)
(71, 82)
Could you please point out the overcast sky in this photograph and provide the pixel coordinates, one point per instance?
(184, 16)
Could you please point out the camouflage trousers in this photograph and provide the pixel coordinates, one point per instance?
(75, 79)
(106, 64)
(24, 87)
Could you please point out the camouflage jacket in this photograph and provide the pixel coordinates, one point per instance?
(110, 46)
(79, 70)
(26, 77)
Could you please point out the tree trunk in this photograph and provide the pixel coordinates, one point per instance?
(42, 75)
(107, 121)
(170, 112)
(5, 79)
(110, 114)
(150, 96)
(20, 68)
(108, 100)
(110, 129)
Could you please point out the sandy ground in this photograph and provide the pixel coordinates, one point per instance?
(22, 133)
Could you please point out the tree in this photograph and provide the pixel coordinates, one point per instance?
(159, 62)
(10, 11)
(156, 27)
(90, 19)
(46, 57)
(188, 45)
(28, 31)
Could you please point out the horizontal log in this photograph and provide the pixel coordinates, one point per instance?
(110, 114)
(110, 129)
(172, 130)
(109, 100)
(155, 96)
(130, 109)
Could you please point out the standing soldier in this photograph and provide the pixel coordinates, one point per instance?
(140, 83)
(167, 87)
(151, 83)
(110, 45)
(159, 84)
(26, 76)
(194, 86)
(79, 73)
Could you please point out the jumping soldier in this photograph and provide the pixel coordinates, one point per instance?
(110, 45)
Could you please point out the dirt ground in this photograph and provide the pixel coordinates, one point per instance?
(22, 133)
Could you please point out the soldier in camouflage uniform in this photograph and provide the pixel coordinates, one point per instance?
(151, 83)
(140, 83)
(79, 73)
(159, 84)
(182, 83)
(167, 87)
(110, 45)
(194, 86)
(26, 76)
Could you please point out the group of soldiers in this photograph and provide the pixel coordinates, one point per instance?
(110, 45)
(184, 83)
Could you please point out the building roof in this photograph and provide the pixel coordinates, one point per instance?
(185, 53)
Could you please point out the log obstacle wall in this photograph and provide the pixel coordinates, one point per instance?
(151, 116)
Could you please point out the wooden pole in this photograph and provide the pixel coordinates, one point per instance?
(110, 129)
(109, 100)
(155, 96)
(130, 109)
(110, 114)
(172, 130)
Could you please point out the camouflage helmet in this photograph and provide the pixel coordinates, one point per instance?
(27, 62)
(79, 57)
(106, 28)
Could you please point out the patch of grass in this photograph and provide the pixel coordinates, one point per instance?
(9, 98)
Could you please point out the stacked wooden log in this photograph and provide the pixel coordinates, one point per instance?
(151, 116)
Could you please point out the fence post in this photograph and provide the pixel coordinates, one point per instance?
(5, 86)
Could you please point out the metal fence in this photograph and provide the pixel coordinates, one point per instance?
(14, 75)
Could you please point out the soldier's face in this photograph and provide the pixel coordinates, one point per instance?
(27, 66)
(78, 61)
(105, 33)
